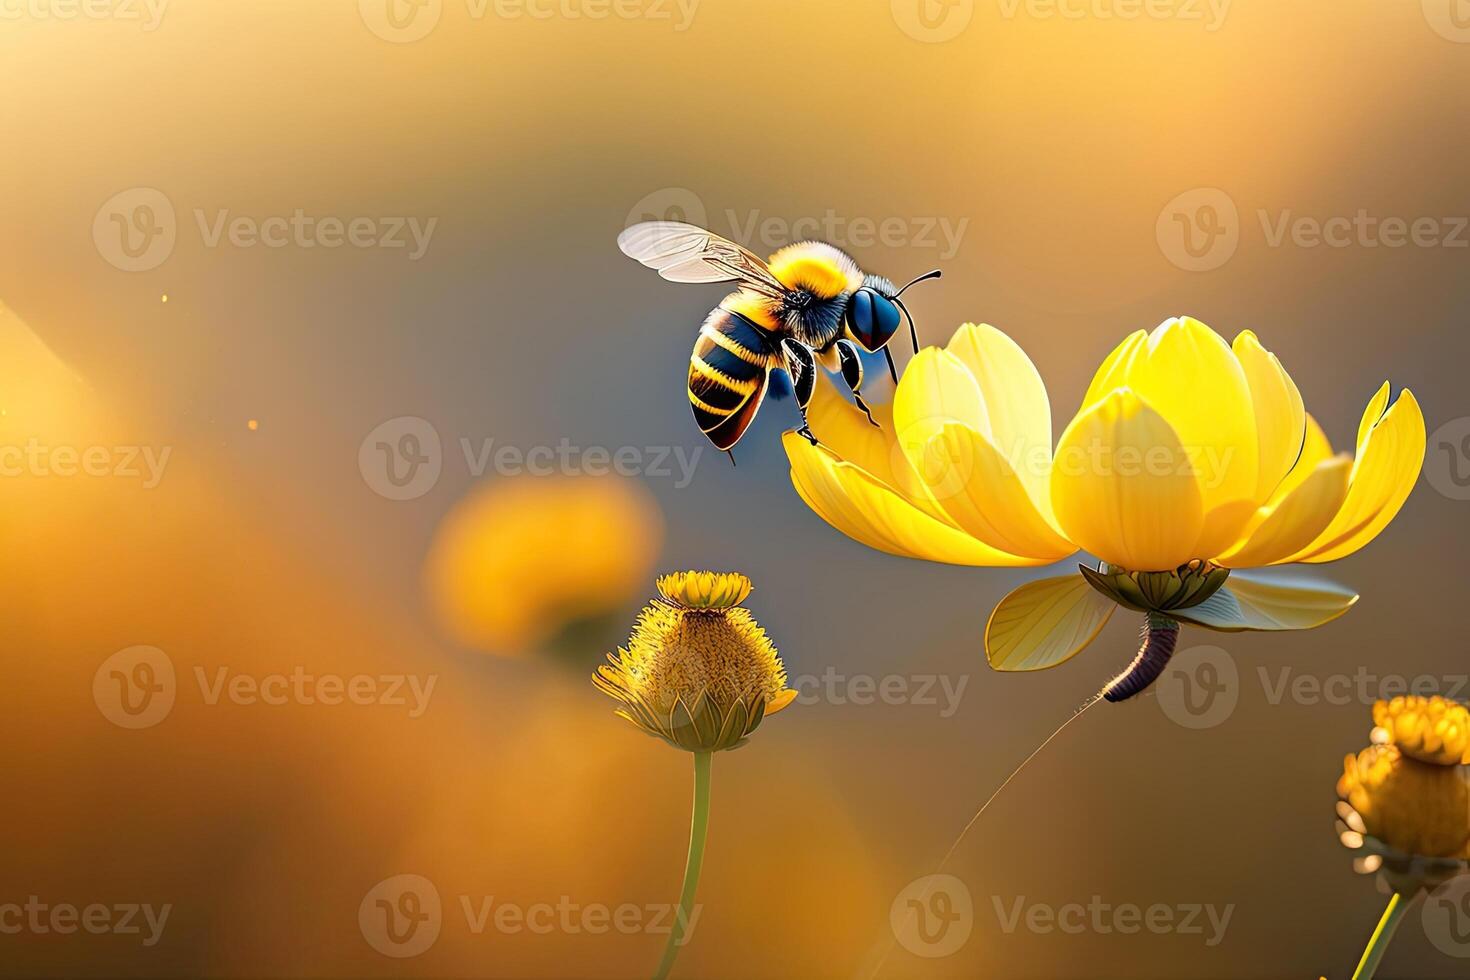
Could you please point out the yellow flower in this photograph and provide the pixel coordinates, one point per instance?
(531, 564)
(1434, 730)
(698, 671)
(1404, 801)
(1416, 808)
(1189, 458)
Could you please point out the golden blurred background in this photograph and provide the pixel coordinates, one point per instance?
(295, 289)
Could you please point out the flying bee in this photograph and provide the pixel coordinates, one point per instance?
(809, 304)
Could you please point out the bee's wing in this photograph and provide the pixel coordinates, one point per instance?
(687, 253)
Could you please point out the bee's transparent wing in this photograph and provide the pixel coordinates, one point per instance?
(687, 253)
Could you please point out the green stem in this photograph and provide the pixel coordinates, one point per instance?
(1378, 945)
(698, 831)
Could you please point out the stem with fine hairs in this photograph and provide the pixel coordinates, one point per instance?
(944, 862)
(698, 832)
(1382, 936)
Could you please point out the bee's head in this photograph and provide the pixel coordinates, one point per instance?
(873, 312)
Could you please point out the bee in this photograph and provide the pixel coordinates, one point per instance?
(809, 304)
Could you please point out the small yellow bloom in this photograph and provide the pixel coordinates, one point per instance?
(1188, 454)
(1416, 808)
(698, 671)
(1433, 729)
(1405, 799)
(527, 564)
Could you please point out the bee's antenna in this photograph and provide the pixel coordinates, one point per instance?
(928, 275)
(891, 369)
(913, 328)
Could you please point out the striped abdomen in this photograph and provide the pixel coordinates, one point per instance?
(728, 370)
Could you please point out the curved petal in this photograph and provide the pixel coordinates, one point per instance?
(843, 428)
(852, 501)
(981, 494)
(1015, 403)
(935, 388)
(1044, 623)
(1269, 604)
(1315, 451)
(1281, 419)
(1122, 486)
(1391, 452)
(1297, 520)
(1190, 376)
(1113, 372)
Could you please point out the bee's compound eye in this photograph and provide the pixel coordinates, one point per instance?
(886, 320)
(860, 320)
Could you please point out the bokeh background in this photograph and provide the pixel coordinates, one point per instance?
(1037, 153)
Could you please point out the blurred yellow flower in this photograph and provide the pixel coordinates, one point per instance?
(524, 564)
(1433, 729)
(1416, 808)
(1188, 459)
(698, 671)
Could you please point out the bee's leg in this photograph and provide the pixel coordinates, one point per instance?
(891, 369)
(852, 374)
(731, 454)
(801, 364)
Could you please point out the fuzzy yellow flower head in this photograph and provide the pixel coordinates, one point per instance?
(698, 671)
(1189, 455)
(1416, 808)
(1434, 730)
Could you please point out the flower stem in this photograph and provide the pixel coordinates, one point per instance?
(1378, 945)
(698, 831)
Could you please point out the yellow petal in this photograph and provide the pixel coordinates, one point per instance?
(1123, 488)
(1015, 403)
(1387, 467)
(1281, 420)
(780, 701)
(1371, 414)
(1043, 623)
(982, 495)
(1190, 376)
(936, 388)
(1270, 604)
(870, 512)
(1297, 520)
(1315, 451)
(1114, 370)
(844, 429)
